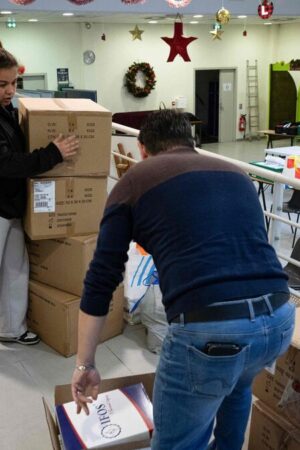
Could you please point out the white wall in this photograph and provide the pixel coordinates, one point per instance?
(45, 47)
(42, 48)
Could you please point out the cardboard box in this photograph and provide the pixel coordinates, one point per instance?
(269, 431)
(62, 207)
(50, 257)
(280, 390)
(43, 119)
(117, 416)
(53, 315)
(63, 394)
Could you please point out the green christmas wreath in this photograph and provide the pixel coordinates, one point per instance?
(130, 79)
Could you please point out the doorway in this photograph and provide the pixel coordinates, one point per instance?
(215, 104)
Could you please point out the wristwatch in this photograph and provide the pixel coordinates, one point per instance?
(85, 367)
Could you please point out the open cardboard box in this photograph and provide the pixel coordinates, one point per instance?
(63, 394)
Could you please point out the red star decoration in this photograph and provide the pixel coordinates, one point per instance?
(178, 43)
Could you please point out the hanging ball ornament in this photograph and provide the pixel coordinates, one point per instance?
(22, 2)
(223, 16)
(80, 2)
(265, 10)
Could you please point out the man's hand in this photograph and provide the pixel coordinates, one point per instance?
(67, 146)
(85, 384)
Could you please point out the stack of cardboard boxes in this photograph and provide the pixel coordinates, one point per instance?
(64, 210)
(275, 423)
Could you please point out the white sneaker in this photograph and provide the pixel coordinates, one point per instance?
(28, 338)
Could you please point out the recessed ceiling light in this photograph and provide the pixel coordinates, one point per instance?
(242, 17)
(68, 14)
(32, 20)
(268, 23)
(194, 21)
(198, 16)
(5, 12)
(152, 21)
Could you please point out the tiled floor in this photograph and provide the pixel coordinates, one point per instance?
(28, 373)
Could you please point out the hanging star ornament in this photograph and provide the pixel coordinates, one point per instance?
(136, 33)
(217, 32)
(178, 43)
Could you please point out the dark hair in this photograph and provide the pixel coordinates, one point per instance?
(165, 129)
(7, 60)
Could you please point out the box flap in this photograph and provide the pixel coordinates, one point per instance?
(45, 291)
(61, 104)
(138, 445)
(84, 239)
(63, 394)
(53, 428)
(289, 428)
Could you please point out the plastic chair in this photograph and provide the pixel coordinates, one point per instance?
(293, 206)
(292, 270)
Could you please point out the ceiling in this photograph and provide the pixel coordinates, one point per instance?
(114, 11)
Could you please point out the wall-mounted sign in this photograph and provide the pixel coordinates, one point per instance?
(62, 77)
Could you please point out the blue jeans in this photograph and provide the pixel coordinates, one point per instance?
(192, 389)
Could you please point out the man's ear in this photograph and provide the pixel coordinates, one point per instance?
(143, 151)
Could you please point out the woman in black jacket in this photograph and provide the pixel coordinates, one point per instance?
(15, 166)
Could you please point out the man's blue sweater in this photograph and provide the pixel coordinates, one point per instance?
(200, 219)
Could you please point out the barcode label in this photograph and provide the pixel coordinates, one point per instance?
(41, 204)
(44, 196)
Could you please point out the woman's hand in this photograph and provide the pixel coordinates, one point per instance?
(67, 146)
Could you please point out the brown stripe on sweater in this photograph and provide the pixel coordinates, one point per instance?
(162, 167)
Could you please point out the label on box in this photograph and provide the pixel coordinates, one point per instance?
(43, 196)
(272, 368)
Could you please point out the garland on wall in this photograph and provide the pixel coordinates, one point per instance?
(130, 79)
(27, 2)
(80, 2)
(132, 2)
(22, 2)
(178, 3)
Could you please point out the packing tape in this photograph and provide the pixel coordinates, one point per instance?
(69, 187)
(72, 123)
(69, 193)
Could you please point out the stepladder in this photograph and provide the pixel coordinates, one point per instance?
(252, 101)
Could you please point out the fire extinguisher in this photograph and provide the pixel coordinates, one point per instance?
(242, 124)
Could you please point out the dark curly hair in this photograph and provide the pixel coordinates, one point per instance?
(165, 129)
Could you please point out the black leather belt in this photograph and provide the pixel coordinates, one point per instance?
(234, 310)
